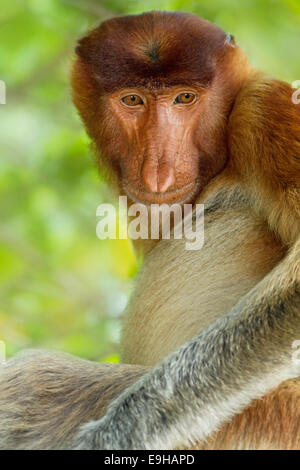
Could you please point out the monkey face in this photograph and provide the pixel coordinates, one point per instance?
(159, 159)
(155, 91)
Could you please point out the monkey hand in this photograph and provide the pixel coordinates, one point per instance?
(121, 429)
(95, 435)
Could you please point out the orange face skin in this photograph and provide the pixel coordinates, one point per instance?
(160, 128)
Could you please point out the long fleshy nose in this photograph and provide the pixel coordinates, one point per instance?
(158, 175)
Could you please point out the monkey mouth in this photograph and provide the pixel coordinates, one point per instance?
(184, 195)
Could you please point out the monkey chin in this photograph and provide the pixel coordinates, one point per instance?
(184, 195)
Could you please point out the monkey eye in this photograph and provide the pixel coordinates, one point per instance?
(132, 100)
(185, 98)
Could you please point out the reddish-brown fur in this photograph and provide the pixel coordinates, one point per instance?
(264, 131)
(268, 423)
(156, 50)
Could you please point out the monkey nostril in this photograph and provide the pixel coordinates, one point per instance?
(158, 179)
(166, 178)
(149, 177)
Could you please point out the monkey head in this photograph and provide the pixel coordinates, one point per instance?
(155, 91)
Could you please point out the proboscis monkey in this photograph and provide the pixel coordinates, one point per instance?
(177, 114)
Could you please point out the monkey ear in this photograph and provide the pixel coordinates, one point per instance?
(83, 48)
(79, 49)
(230, 41)
(87, 50)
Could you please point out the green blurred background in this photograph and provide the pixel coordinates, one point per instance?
(61, 287)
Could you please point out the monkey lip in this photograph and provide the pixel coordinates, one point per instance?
(185, 194)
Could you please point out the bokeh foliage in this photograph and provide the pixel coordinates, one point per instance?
(61, 287)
